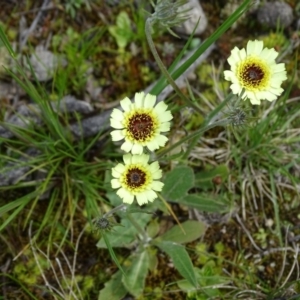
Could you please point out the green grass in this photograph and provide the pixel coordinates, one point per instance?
(249, 171)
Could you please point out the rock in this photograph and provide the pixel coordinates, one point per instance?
(273, 13)
(69, 104)
(195, 12)
(17, 170)
(93, 88)
(231, 6)
(26, 114)
(44, 63)
(91, 126)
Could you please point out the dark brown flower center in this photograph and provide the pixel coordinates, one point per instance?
(141, 126)
(135, 178)
(253, 74)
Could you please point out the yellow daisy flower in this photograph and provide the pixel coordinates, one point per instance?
(255, 71)
(140, 123)
(136, 178)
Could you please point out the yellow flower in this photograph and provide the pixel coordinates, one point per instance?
(136, 178)
(141, 123)
(255, 71)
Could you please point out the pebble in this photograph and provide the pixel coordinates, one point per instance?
(195, 12)
(272, 13)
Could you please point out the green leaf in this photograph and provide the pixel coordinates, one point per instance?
(205, 178)
(153, 228)
(178, 182)
(112, 252)
(181, 260)
(136, 274)
(6, 43)
(113, 289)
(123, 21)
(124, 235)
(204, 203)
(193, 230)
(113, 198)
(208, 278)
(122, 31)
(17, 206)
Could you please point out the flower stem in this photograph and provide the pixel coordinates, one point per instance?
(200, 131)
(143, 233)
(122, 206)
(164, 69)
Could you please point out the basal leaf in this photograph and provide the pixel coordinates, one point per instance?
(122, 31)
(204, 179)
(204, 203)
(180, 258)
(193, 230)
(112, 253)
(113, 289)
(124, 235)
(178, 182)
(136, 274)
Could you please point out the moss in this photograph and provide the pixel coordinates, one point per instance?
(29, 272)
(275, 40)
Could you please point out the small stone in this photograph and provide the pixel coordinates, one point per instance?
(44, 63)
(275, 13)
(269, 223)
(195, 12)
(31, 113)
(69, 104)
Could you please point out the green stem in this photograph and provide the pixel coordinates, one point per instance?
(143, 233)
(203, 47)
(209, 120)
(122, 206)
(163, 68)
(200, 131)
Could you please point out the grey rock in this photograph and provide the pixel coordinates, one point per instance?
(44, 63)
(272, 13)
(195, 12)
(27, 114)
(92, 125)
(71, 104)
(24, 115)
(14, 172)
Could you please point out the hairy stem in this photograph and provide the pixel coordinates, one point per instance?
(200, 131)
(164, 69)
(143, 233)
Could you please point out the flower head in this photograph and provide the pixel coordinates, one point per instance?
(255, 70)
(136, 178)
(141, 123)
(103, 224)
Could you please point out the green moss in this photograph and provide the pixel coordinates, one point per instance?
(29, 272)
(275, 40)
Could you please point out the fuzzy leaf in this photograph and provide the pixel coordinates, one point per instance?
(122, 32)
(112, 253)
(136, 274)
(124, 235)
(181, 260)
(193, 230)
(204, 203)
(113, 289)
(178, 182)
(204, 179)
